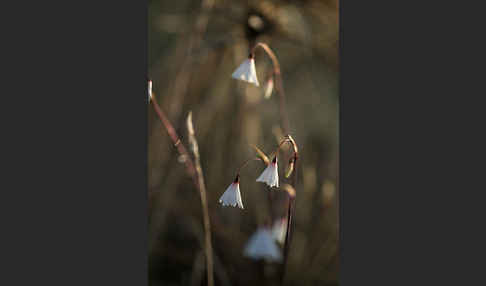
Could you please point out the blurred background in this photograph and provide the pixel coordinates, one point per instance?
(194, 46)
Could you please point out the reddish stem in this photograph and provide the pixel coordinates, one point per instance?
(284, 120)
(290, 213)
(197, 178)
(191, 170)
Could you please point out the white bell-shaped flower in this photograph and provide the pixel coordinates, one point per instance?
(279, 230)
(270, 174)
(149, 90)
(261, 245)
(246, 72)
(232, 195)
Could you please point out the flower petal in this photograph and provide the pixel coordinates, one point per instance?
(269, 175)
(232, 196)
(261, 245)
(246, 72)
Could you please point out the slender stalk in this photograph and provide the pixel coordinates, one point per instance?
(197, 178)
(284, 120)
(246, 163)
(191, 170)
(275, 152)
(204, 203)
(287, 233)
(284, 123)
(290, 214)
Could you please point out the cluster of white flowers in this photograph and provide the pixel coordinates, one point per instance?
(232, 195)
(262, 244)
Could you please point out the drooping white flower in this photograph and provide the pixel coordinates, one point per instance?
(247, 72)
(279, 230)
(270, 174)
(149, 90)
(232, 195)
(261, 245)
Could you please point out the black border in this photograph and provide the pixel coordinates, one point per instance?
(410, 120)
(74, 210)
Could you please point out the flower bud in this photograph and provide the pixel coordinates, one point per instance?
(268, 88)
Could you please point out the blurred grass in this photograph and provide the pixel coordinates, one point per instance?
(192, 53)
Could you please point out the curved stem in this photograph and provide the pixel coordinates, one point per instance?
(284, 120)
(279, 145)
(246, 163)
(284, 123)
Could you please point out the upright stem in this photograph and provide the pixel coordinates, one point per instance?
(191, 170)
(195, 172)
(290, 213)
(204, 203)
(287, 234)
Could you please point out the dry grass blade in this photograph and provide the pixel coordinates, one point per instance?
(204, 203)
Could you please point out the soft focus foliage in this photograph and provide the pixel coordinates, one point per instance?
(194, 47)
